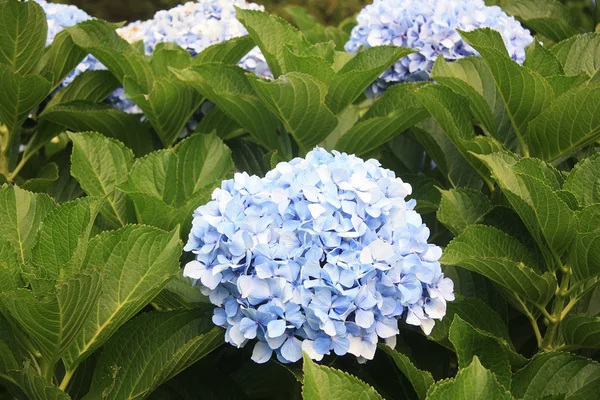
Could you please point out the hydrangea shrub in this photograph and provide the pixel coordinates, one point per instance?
(323, 254)
(431, 27)
(460, 261)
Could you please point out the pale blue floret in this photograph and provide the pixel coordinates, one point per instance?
(193, 26)
(59, 17)
(323, 254)
(430, 26)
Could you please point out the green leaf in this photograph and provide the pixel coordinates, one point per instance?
(548, 218)
(137, 262)
(35, 387)
(301, 17)
(20, 95)
(570, 123)
(584, 181)
(474, 383)
(461, 208)
(228, 87)
(394, 112)
(359, 73)
(151, 349)
(542, 61)
(249, 157)
(524, 93)
(324, 383)
(23, 32)
(584, 255)
(180, 293)
(10, 270)
(555, 373)
(581, 331)
(450, 110)
(217, 121)
(298, 100)
(22, 213)
(82, 116)
(53, 323)
(228, 52)
(272, 34)
(475, 312)
(100, 164)
(492, 352)
(421, 380)
(501, 258)
(579, 54)
(122, 59)
(47, 175)
(63, 237)
(547, 17)
(92, 86)
(60, 58)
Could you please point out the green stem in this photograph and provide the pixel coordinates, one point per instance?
(66, 379)
(557, 310)
(7, 141)
(532, 320)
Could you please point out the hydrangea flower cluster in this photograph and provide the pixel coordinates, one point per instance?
(60, 16)
(323, 254)
(430, 26)
(193, 26)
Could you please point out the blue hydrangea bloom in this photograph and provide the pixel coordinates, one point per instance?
(430, 26)
(325, 254)
(60, 16)
(193, 26)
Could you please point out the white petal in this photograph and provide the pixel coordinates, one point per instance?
(194, 269)
(316, 210)
(307, 347)
(261, 353)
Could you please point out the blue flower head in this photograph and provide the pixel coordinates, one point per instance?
(430, 26)
(325, 254)
(60, 16)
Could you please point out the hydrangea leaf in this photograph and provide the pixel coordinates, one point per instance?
(542, 61)
(565, 126)
(153, 348)
(309, 64)
(60, 58)
(100, 164)
(22, 213)
(584, 182)
(83, 116)
(137, 262)
(472, 78)
(394, 112)
(547, 17)
(473, 382)
(581, 331)
(34, 386)
(420, 380)
(461, 208)
(272, 34)
(53, 322)
(476, 313)
(217, 121)
(92, 86)
(451, 111)
(298, 100)
(228, 52)
(23, 32)
(524, 93)
(579, 54)
(548, 218)
(360, 72)
(557, 373)
(20, 95)
(584, 255)
(62, 240)
(179, 293)
(46, 176)
(169, 105)
(249, 157)
(123, 60)
(10, 270)
(228, 87)
(501, 258)
(322, 383)
(8, 361)
(494, 353)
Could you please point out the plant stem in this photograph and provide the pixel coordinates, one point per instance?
(557, 310)
(66, 379)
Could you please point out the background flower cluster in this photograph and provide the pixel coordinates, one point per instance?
(323, 254)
